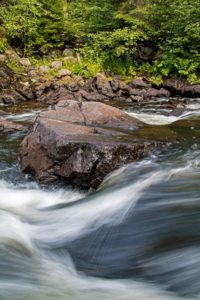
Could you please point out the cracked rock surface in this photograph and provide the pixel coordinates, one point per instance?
(81, 142)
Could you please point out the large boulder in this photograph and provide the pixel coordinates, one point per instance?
(81, 142)
(182, 87)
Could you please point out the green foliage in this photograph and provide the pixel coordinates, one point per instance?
(160, 38)
(178, 37)
(3, 45)
(91, 16)
(3, 41)
(33, 24)
(115, 49)
(15, 66)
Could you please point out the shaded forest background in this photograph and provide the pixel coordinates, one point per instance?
(160, 38)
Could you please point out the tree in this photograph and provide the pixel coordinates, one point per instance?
(32, 24)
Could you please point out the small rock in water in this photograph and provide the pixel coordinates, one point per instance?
(137, 98)
(180, 108)
(194, 147)
(9, 126)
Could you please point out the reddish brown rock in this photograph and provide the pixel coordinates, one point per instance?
(81, 143)
(9, 126)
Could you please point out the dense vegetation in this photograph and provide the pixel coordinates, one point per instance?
(156, 37)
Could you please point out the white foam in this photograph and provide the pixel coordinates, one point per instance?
(154, 119)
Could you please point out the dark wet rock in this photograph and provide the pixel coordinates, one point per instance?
(9, 126)
(70, 84)
(117, 84)
(25, 90)
(192, 90)
(139, 83)
(149, 92)
(2, 112)
(137, 92)
(92, 96)
(178, 110)
(73, 87)
(10, 96)
(103, 86)
(167, 105)
(42, 87)
(119, 99)
(6, 77)
(51, 91)
(89, 85)
(182, 87)
(129, 100)
(81, 142)
(121, 94)
(55, 95)
(152, 92)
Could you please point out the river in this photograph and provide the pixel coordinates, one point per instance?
(137, 237)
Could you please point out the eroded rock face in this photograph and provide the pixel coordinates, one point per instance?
(81, 142)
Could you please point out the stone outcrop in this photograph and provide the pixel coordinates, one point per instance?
(81, 142)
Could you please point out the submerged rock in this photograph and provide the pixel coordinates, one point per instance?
(178, 110)
(81, 142)
(9, 126)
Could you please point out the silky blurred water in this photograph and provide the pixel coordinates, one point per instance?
(137, 237)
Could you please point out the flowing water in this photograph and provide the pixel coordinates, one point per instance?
(137, 237)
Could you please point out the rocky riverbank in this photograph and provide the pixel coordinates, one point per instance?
(22, 81)
(81, 138)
